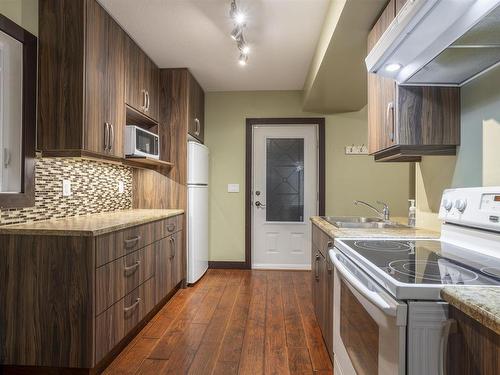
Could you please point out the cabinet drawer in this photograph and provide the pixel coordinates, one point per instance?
(115, 279)
(116, 322)
(114, 245)
(172, 225)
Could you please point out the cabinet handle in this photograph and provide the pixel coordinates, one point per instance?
(111, 137)
(316, 268)
(106, 136)
(390, 109)
(143, 105)
(133, 306)
(132, 241)
(132, 267)
(171, 227)
(198, 126)
(449, 326)
(147, 100)
(172, 247)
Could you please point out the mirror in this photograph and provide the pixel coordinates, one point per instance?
(18, 63)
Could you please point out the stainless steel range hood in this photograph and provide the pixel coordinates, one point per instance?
(439, 42)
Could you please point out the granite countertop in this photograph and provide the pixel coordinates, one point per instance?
(481, 303)
(335, 232)
(90, 225)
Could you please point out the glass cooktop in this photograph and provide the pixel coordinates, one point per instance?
(428, 262)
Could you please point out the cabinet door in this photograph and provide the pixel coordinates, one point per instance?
(196, 110)
(473, 349)
(176, 258)
(133, 95)
(115, 97)
(153, 90)
(381, 94)
(104, 86)
(329, 307)
(96, 53)
(163, 273)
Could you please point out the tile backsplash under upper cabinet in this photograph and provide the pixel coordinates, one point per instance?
(94, 188)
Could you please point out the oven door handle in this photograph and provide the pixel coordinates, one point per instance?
(370, 295)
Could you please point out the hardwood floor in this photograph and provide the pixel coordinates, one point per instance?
(232, 322)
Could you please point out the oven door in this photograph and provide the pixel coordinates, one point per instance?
(369, 335)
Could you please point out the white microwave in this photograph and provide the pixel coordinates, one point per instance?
(140, 142)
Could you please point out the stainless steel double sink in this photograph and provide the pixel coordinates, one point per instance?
(361, 222)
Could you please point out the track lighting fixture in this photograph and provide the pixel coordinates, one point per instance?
(239, 18)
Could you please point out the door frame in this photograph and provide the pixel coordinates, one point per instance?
(250, 122)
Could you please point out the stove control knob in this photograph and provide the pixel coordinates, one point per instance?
(460, 205)
(447, 204)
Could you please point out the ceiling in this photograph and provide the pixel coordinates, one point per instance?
(195, 34)
(337, 81)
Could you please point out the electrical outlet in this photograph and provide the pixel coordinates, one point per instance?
(66, 188)
(233, 188)
(121, 187)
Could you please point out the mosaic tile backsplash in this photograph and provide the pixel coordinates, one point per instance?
(94, 188)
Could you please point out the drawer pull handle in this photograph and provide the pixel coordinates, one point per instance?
(171, 227)
(133, 306)
(132, 241)
(132, 267)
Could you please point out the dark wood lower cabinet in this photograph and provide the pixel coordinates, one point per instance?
(71, 301)
(322, 285)
(473, 349)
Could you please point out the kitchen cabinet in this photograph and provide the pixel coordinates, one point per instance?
(81, 297)
(473, 349)
(407, 122)
(322, 285)
(196, 126)
(81, 99)
(142, 77)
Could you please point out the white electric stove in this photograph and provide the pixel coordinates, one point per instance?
(389, 317)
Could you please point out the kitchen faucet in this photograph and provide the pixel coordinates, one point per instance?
(383, 214)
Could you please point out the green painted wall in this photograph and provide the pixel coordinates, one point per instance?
(22, 12)
(348, 177)
(474, 164)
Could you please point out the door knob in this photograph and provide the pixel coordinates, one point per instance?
(260, 205)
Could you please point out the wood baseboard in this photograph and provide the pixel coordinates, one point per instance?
(227, 265)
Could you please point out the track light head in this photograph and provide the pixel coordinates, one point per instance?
(243, 46)
(236, 33)
(243, 59)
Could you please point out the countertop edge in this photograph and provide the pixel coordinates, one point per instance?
(13, 230)
(474, 310)
(333, 231)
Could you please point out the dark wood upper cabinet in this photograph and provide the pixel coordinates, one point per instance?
(196, 110)
(142, 89)
(407, 122)
(82, 79)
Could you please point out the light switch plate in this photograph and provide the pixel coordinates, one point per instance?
(233, 188)
(66, 188)
(121, 187)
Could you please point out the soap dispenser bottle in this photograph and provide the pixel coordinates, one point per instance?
(412, 213)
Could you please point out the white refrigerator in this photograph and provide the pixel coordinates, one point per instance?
(197, 233)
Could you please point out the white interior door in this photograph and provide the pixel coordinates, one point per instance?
(284, 195)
